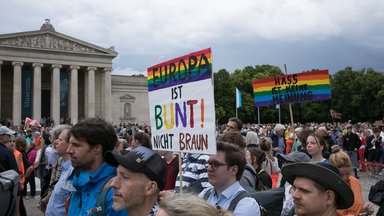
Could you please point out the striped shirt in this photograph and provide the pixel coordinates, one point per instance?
(194, 173)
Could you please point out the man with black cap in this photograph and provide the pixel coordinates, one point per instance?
(140, 178)
(317, 189)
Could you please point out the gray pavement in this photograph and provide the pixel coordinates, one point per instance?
(365, 180)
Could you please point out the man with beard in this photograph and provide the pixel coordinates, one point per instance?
(89, 140)
(140, 178)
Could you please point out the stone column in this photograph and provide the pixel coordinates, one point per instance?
(55, 94)
(106, 95)
(74, 97)
(1, 63)
(37, 91)
(16, 114)
(90, 101)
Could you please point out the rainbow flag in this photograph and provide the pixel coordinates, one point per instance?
(292, 88)
(188, 68)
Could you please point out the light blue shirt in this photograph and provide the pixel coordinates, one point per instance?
(63, 188)
(245, 207)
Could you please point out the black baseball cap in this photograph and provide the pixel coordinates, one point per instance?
(141, 160)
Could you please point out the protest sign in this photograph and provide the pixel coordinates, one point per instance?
(181, 103)
(292, 88)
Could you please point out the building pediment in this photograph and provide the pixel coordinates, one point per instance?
(127, 98)
(48, 39)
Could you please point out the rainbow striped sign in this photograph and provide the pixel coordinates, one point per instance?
(188, 68)
(182, 104)
(292, 88)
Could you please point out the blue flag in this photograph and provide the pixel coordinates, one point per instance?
(239, 100)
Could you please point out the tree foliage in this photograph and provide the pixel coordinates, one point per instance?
(358, 95)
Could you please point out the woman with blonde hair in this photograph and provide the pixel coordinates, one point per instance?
(188, 205)
(342, 161)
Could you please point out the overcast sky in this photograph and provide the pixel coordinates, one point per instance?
(304, 34)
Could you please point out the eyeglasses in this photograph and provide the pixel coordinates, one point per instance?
(215, 165)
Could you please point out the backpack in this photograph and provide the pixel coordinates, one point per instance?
(9, 182)
(376, 193)
(270, 201)
(261, 186)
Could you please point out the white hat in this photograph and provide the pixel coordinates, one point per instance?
(7, 131)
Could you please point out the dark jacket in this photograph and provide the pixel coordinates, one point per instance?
(275, 143)
(351, 141)
(7, 159)
(372, 141)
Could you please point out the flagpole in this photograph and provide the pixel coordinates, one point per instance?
(236, 102)
(290, 106)
(258, 115)
(333, 120)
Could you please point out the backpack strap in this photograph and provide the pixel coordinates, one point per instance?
(260, 172)
(241, 195)
(207, 193)
(101, 198)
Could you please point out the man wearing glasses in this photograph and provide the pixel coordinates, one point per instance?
(7, 160)
(224, 172)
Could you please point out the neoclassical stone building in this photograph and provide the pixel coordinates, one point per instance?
(130, 99)
(45, 73)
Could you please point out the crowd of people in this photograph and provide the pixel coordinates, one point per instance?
(96, 168)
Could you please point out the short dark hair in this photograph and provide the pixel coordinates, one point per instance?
(144, 139)
(233, 137)
(239, 124)
(234, 156)
(95, 131)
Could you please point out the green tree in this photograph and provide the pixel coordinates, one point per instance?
(359, 95)
(224, 96)
(242, 79)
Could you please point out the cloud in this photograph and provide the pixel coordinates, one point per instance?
(241, 33)
(127, 71)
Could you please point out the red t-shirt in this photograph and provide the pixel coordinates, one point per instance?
(171, 175)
